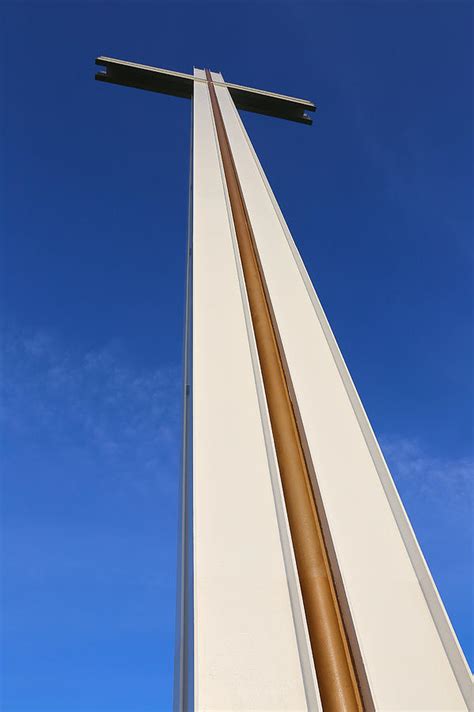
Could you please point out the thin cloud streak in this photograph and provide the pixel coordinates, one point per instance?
(420, 475)
(94, 403)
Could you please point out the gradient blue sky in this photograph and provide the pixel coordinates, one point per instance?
(94, 211)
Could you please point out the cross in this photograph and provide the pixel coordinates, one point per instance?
(333, 665)
(341, 651)
(179, 84)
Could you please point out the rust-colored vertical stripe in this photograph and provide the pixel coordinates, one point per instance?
(333, 663)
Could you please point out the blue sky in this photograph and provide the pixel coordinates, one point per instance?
(94, 210)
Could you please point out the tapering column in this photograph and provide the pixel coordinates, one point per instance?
(301, 582)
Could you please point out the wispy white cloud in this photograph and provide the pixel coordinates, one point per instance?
(93, 402)
(421, 475)
(90, 467)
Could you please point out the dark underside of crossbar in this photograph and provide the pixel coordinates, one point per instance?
(182, 85)
(142, 78)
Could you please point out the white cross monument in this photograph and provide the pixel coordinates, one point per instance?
(302, 585)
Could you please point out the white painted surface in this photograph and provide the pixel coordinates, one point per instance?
(246, 654)
(408, 667)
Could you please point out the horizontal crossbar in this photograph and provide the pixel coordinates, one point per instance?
(179, 84)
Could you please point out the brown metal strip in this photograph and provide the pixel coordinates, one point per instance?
(332, 657)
